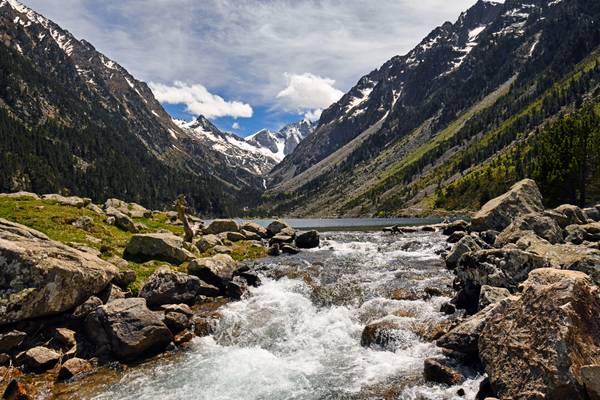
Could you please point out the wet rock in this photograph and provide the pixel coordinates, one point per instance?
(206, 242)
(38, 359)
(236, 288)
(87, 307)
(72, 367)
(544, 227)
(464, 245)
(439, 370)
(11, 340)
(274, 250)
(86, 223)
(289, 249)
(72, 201)
(128, 328)
(590, 377)
(251, 278)
(234, 236)
(380, 335)
(573, 214)
(183, 337)
(122, 221)
(491, 295)
(217, 270)
(41, 277)
(176, 322)
(281, 239)
(16, 390)
(203, 326)
(277, 226)
(124, 278)
(538, 343)
(577, 234)
(157, 246)
(169, 287)
(486, 391)
(523, 198)
(64, 336)
(456, 226)
(222, 225)
(256, 228)
(308, 240)
(456, 236)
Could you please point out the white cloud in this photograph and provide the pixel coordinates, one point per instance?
(313, 115)
(199, 101)
(308, 92)
(236, 126)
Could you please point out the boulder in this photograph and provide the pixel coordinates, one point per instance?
(132, 210)
(573, 214)
(439, 370)
(72, 201)
(234, 236)
(203, 326)
(250, 235)
(95, 209)
(121, 220)
(176, 322)
(308, 240)
(256, 228)
(111, 293)
(86, 223)
(64, 336)
(590, 378)
(558, 217)
(543, 226)
(456, 226)
(277, 226)
(456, 236)
(281, 239)
(489, 237)
(38, 359)
(169, 287)
(382, 335)
(157, 246)
(537, 345)
(72, 367)
(289, 249)
(491, 295)
(10, 340)
(592, 213)
(183, 337)
(504, 268)
(179, 308)
(523, 198)
(464, 245)
(206, 242)
(222, 250)
(274, 250)
(41, 277)
(222, 225)
(125, 277)
(236, 288)
(21, 195)
(128, 329)
(216, 270)
(87, 307)
(577, 234)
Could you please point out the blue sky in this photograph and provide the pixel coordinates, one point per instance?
(250, 64)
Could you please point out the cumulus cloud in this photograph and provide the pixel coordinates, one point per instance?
(236, 126)
(199, 101)
(308, 93)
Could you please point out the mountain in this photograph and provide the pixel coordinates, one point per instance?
(258, 153)
(74, 121)
(430, 129)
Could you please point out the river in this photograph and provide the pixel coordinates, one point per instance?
(297, 336)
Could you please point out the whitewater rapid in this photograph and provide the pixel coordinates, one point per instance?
(297, 336)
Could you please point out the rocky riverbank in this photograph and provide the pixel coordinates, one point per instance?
(527, 300)
(97, 285)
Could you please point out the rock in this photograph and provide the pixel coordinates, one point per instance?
(456, 226)
(277, 226)
(448, 308)
(381, 335)
(206, 242)
(491, 295)
(256, 228)
(122, 221)
(222, 250)
(577, 234)
(289, 249)
(132, 210)
(504, 268)
(235, 236)
(251, 278)
(20, 195)
(222, 225)
(169, 287)
(119, 263)
(87, 307)
(111, 220)
(573, 214)
(465, 245)
(4, 360)
(250, 235)
(64, 336)
(111, 293)
(274, 250)
(178, 308)
(95, 209)
(544, 227)
(489, 237)
(73, 367)
(41, 277)
(125, 278)
(11, 340)
(590, 377)
(86, 223)
(216, 270)
(438, 370)
(72, 201)
(236, 288)
(157, 246)
(281, 239)
(176, 322)
(128, 328)
(38, 359)
(523, 198)
(308, 240)
(16, 391)
(592, 213)
(203, 326)
(183, 337)
(539, 342)
(456, 236)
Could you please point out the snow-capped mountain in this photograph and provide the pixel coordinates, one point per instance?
(258, 153)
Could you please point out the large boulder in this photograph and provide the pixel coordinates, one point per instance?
(41, 277)
(206, 242)
(133, 210)
(456, 226)
(38, 359)
(169, 287)
(216, 270)
(222, 225)
(491, 295)
(278, 226)
(537, 345)
(308, 240)
(573, 214)
(523, 198)
(578, 234)
(464, 245)
(72, 201)
(562, 256)
(122, 221)
(383, 335)
(543, 226)
(439, 370)
(20, 195)
(128, 329)
(157, 246)
(256, 228)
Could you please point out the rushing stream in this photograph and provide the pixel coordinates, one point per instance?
(298, 335)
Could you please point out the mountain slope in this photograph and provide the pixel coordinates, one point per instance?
(74, 121)
(382, 147)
